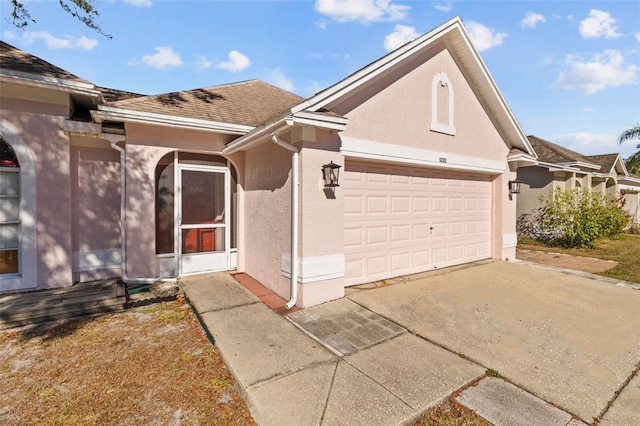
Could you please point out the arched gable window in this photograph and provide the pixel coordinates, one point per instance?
(442, 102)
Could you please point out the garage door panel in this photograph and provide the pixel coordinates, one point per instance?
(377, 235)
(402, 220)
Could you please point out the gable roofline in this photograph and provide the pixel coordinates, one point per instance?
(458, 41)
(616, 162)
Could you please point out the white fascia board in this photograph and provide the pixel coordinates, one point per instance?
(624, 187)
(630, 179)
(559, 168)
(127, 115)
(254, 137)
(378, 151)
(81, 127)
(601, 175)
(322, 121)
(581, 164)
(522, 158)
(306, 118)
(43, 82)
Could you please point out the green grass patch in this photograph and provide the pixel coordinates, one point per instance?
(492, 373)
(624, 249)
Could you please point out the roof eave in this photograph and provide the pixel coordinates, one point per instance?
(110, 113)
(522, 159)
(76, 88)
(287, 119)
(581, 164)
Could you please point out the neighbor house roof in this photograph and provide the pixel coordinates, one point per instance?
(248, 103)
(19, 61)
(549, 152)
(607, 162)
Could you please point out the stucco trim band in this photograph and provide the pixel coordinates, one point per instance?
(509, 240)
(370, 150)
(96, 260)
(313, 269)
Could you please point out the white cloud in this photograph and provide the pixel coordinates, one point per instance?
(588, 109)
(164, 57)
(588, 143)
(484, 38)
(599, 24)
(237, 62)
(602, 71)
(443, 7)
(203, 63)
(402, 34)
(531, 20)
(277, 78)
(139, 3)
(52, 42)
(638, 36)
(312, 87)
(362, 11)
(321, 24)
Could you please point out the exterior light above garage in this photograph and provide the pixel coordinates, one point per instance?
(330, 173)
(514, 186)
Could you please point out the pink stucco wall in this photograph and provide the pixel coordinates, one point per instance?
(96, 198)
(399, 112)
(267, 213)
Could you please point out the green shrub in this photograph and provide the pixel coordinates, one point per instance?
(575, 218)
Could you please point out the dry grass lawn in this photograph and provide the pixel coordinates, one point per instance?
(149, 365)
(624, 249)
(451, 414)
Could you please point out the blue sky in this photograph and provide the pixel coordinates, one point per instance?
(569, 70)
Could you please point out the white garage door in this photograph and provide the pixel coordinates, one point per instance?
(402, 220)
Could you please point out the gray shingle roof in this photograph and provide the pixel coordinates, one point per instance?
(549, 152)
(113, 95)
(605, 161)
(248, 103)
(14, 59)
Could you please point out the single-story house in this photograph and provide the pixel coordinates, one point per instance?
(559, 167)
(99, 182)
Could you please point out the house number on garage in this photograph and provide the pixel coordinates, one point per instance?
(443, 159)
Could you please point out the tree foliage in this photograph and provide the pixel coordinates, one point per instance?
(633, 162)
(83, 10)
(575, 218)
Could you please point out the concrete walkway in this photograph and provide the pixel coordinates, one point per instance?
(384, 356)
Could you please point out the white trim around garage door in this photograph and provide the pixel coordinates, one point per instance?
(378, 151)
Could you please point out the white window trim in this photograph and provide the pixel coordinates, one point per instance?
(441, 79)
(27, 245)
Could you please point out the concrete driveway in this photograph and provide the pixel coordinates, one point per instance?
(569, 339)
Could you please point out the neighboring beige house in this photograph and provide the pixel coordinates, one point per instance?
(559, 167)
(100, 183)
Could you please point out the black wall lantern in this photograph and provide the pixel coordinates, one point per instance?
(330, 173)
(514, 186)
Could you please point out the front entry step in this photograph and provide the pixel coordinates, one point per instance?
(35, 307)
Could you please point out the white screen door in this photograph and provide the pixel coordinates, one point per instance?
(203, 216)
